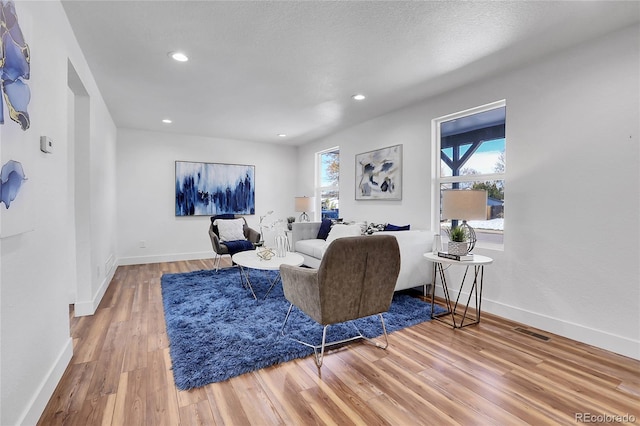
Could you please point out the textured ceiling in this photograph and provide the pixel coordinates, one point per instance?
(258, 69)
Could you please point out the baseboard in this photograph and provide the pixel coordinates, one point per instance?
(590, 336)
(43, 394)
(84, 308)
(143, 260)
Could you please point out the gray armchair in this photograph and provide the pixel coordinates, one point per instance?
(355, 279)
(220, 248)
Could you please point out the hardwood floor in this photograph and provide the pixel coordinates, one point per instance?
(120, 374)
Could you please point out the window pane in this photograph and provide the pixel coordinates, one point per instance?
(330, 204)
(329, 168)
(491, 229)
(486, 157)
(473, 144)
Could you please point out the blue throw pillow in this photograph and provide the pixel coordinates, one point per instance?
(325, 227)
(390, 227)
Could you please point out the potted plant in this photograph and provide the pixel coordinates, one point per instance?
(458, 241)
(290, 220)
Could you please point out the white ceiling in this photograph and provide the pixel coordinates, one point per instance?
(258, 69)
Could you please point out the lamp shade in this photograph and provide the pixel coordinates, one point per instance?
(465, 204)
(305, 204)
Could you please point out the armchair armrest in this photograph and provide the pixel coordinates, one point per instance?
(301, 288)
(252, 235)
(215, 241)
(304, 231)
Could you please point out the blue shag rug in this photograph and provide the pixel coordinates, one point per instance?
(217, 330)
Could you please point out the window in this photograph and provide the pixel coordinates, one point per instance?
(470, 146)
(328, 178)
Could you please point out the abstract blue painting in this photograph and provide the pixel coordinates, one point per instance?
(208, 189)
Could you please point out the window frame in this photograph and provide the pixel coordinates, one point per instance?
(318, 181)
(436, 178)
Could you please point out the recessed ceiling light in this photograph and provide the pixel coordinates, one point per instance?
(167, 121)
(282, 135)
(359, 97)
(179, 56)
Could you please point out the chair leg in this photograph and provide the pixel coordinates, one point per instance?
(216, 262)
(384, 333)
(320, 356)
(319, 349)
(286, 318)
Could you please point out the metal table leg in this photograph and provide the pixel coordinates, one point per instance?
(273, 283)
(476, 291)
(244, 278)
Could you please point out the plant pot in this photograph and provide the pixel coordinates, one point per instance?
(460, 249)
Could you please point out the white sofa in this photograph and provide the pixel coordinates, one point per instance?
(415, 270)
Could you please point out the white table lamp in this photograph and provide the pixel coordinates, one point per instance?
(304, 205)
(465, 204)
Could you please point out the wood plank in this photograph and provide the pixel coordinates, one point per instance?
(404, 400)
(96, 411)
(95, 329)
(258, 407)
(198, 414)
(162, 400)
(131, 400)
(332, 398)
(69, 396)
(229, 407)
(284, 392)
(109, 365)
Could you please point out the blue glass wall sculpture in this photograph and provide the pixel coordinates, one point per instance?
(14, 67)
(11, 178)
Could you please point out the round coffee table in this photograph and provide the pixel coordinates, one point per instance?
(248, 260)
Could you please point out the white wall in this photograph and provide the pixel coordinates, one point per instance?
(572, 193)
(36, 267)
(410, 128)
(146, 191)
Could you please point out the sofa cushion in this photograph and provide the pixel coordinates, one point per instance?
(375, 227)
(325, 227)
(314, 247)
(340, 231)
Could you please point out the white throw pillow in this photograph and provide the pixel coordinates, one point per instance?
(230, 229)
(341, 231)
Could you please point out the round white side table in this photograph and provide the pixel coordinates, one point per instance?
(478, 263)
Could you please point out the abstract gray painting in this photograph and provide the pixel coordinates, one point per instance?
(379, 174)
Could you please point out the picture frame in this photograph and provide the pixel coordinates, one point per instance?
(379, 174)
(210, 189)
